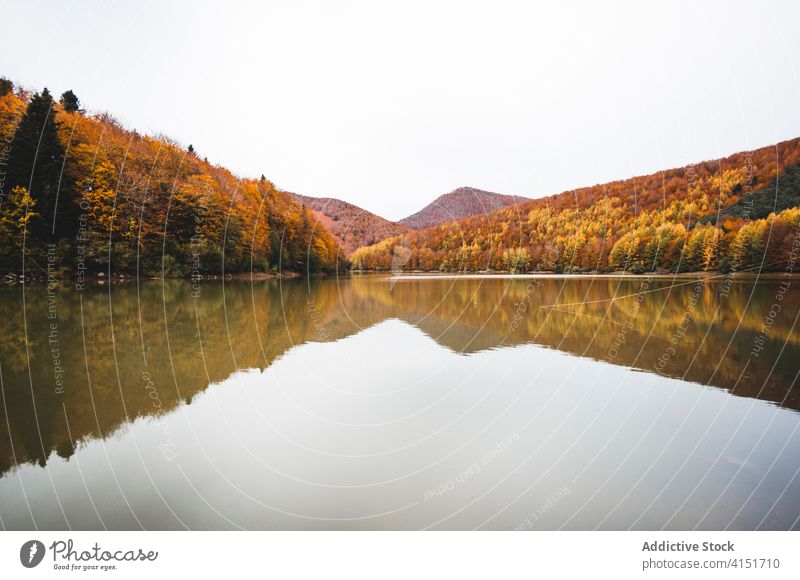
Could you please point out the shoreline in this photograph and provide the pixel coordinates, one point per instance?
(14, 279)
(421, 275)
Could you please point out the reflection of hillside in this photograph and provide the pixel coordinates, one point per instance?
(240, 327)
(249, 326)
(586, 317)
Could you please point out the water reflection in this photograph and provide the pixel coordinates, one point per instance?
(453, 403)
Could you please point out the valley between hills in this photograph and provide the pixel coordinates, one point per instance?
(82, 194)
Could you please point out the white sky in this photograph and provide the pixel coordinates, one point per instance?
(390, 104)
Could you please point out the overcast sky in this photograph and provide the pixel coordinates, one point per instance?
(390, 104)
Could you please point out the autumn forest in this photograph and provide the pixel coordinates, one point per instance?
(735, 214)
(80, 194)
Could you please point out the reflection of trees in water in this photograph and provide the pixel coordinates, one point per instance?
(245, 325)
(166, 346)
(585, 317)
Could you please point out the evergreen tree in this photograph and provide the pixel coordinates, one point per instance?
(70, 102)
(6, 86)
(35, 163)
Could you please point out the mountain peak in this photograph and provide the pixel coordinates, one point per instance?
(462, 202)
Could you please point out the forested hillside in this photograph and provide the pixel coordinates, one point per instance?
(737, 213)
(459, 203)
(81, 194)
(351, 226)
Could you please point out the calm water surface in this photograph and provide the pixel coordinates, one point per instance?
(381, 403)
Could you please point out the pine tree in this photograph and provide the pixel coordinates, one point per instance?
(6, 86)
(35, 163)
(70, 102)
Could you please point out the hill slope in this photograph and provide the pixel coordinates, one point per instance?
(648, 223)
(111, 199)
(351, 226)
(458, 204)
(783, 192)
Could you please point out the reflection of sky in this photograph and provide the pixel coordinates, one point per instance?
(450, 441)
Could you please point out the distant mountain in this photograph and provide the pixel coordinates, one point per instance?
(458, 204)
(351, 226)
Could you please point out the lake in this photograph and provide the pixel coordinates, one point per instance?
(418, 402)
